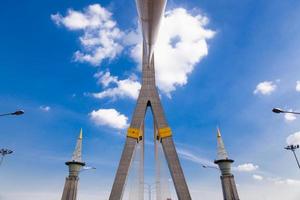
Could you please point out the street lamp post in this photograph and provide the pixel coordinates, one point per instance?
(149, 190)
(290, 147)
(18, 112)
(278, 110)
(293, 148)
(149, 187)
(3, 153)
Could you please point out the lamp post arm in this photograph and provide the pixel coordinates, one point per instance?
(5, 114)
(86, 169)
(291, 112)
(18, 112)
(210, 167)
(279, 110)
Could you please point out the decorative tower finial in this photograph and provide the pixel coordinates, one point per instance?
(78, 149)
(224, 163)
(75, 165)
(222, 153)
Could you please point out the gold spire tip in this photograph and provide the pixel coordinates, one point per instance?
(80, 134)
(219, 132)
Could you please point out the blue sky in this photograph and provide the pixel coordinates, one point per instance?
(250, 65)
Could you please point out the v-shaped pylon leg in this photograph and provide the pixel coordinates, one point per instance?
(150, 12)
(149, 97)
(157, 163)
(141, 166)
(134, 134)
(175, 169)
(165, 134)
(123, 169)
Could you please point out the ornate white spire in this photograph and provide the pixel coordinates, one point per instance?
(221, 154)
(77, 152)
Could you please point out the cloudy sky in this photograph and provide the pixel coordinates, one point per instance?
(76, 64)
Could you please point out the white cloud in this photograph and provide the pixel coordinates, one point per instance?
(298, 86)
(124, 88)
(265, 88)
(290, 182)
(182, 43)
(268, 191)
(101, 36)
(110, 118)
(257, 177)
(290, 116)
(293, 139)
(105, 78)
(45, 108)
(247, 167)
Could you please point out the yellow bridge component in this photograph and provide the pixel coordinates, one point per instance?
(164, 132)
(133, 133)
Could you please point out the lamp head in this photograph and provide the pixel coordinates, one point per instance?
(292, 147)
(277, 110)
(5, 152)
(18, 112)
